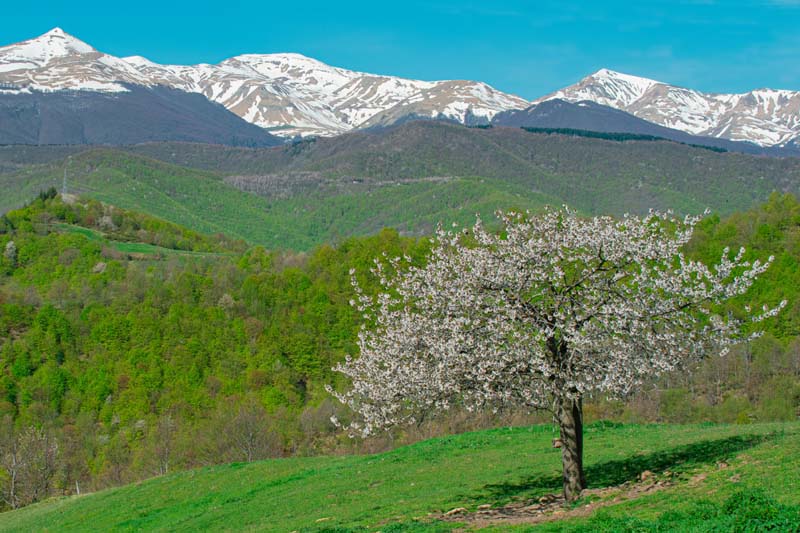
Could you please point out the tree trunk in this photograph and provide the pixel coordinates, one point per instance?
(570, 419)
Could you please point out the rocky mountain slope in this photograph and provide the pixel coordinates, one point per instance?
(288, 94)
(766, 117)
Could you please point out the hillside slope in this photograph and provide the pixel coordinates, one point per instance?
(139, 114)
(308, 216)
(115, 325)
(195, 199)
(408, 488)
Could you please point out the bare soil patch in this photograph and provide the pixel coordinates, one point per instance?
(552, 506)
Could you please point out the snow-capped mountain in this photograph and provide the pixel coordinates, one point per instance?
(766, 117)
(289, 94)
(56, 61)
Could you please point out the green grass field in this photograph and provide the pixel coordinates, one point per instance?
(396, 491)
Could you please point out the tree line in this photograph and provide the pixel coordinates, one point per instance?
(615, 136)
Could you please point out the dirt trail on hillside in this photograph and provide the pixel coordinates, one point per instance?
(551, 507)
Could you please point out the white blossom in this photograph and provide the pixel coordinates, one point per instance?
(553, 306)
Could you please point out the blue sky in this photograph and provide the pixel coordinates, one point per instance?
(527, 48)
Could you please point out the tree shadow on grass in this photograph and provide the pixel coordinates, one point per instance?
(610, 473)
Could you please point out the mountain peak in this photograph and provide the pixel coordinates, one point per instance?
(59, 40)
(608, 74)
(284, 59)
(605, 73)
(766, 117)
(53, 44)
(57, 32)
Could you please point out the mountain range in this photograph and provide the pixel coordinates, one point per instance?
(289, 95)
(286, 93)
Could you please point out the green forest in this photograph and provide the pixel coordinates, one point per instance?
(132, 347)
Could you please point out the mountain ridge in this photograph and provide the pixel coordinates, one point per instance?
(591, 116)
(287, 93)
(768, 117)
(290, 94)
(407, 176)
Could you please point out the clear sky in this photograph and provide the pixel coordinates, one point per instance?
(527, 48)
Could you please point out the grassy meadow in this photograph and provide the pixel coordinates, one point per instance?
(703, 466)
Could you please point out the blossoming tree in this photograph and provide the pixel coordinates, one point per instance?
(552, 308)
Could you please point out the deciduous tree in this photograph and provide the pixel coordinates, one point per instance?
(28, 462)
(551, 309)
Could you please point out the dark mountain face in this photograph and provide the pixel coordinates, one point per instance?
(590, 116)
(142, 114)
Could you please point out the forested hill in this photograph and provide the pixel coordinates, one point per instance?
(142, 347)
(595, 175)
(109, 347)
(409, 177)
